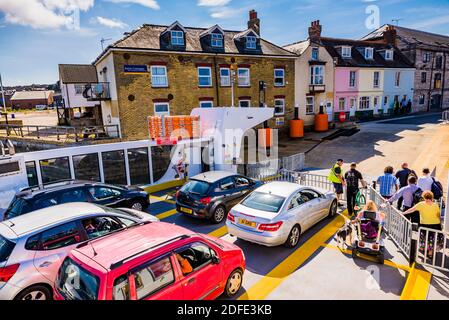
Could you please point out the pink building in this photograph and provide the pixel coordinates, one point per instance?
(346, 90)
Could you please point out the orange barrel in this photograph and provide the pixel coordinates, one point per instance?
(296, 128)
(321, 123)
(265, 137)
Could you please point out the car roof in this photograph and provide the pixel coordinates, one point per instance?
(39, 219)
(120, 246)
(213, 176)
(280, 188)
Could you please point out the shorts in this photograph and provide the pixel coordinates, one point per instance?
(338, 188)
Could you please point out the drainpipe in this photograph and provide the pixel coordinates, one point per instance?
(443, 80)
(217, 91)
(431, 80)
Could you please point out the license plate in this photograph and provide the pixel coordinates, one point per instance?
(247, 223)
(186, 210)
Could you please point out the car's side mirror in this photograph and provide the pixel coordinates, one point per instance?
(215, 260)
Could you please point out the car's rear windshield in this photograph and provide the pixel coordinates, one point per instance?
(18, 207)
(196, 186)
(6, 248)
(76, 283)
(264, 202)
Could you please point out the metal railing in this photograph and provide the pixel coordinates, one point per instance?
(269, 169)
(445, 117)
(97, 91)
(295, 162)
(433, 249)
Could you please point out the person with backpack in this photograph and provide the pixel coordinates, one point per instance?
(388, 183)
(429, 212)
(425, 181)
(336, 176)
(411, 195)
(403, 175)
(352, 178)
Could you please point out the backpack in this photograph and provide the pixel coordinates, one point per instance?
(351, 179)
(437, 189)
(417, 196)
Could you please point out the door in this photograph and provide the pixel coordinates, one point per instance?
(435, 102)
(316, 205)
(299, 211)
(206, 274)
(227, 191)
(54, 245)
(106, 196)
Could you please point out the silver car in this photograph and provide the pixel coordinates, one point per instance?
(33, 246)
(279, 212)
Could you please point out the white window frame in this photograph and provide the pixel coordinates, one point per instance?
(376, 85)
(427, 57)
(209, 77)
(352, 103)
(369, 53)
(159, 76)
(283, 107)
(175, 39)
(308, 111)
(389, 55)
(216, 40)
(165, 113)
(346, 52)
(251, 42)
(397, 79)
(207, 101)
(365, 103)
(227, 78)
(314, 77)
(342, 99)
(244, 100)
(277, 77)
(79, 86)
(240, 78)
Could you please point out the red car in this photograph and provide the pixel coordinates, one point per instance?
(152, 261)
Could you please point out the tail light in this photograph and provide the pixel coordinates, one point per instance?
(206, 200)
(375, 246)
(361, 244)
(6, 273)
(231, 217)
(270, 227)
(177, 194)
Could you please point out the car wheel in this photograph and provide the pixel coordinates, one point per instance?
(234, 283)
(333, 209)
(38, 292)
(137, 205)
(218, 215)
(293, 237)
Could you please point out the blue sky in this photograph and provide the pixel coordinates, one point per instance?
(37, 35)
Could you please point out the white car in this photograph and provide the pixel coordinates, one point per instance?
(33, 246)
(279, 212)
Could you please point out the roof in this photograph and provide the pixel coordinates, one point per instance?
(212, 176)
(36, 220)
(280, 188)
(411, 36)
(122, 245)
(32, 95)
(56, 186)
(78, 73)
(298, 47)
(147, 37)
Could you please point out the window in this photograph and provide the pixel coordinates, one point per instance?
(31, 173)
(376, 79)
(32, 243)
(206, 104)
(216, 40)
(397, 79)
(196, 186)
(427, 56)
(114, 167)
(243, 77)
(296, 201)
(76, 283)
(244, 103)
(159, 76)
(198, 255)
(6, 248)
(308, 195)
(162, 109)
(376, 102)
(79, 88)
(204, 76)
(226, 184)
(437, 83)
(369, 53)
(177, 38)
(423, 77)
(364, 103)
(352, 103)
(352, 78)
(100, 226)
(45, 202)
(86, 167)
(225, 77)
(102, 193)
(389, 55)
(60, 236)
(422, 99)
(386, 101)
(241, 182)
(279, 106)
(153, 277)
(317, 75)
(315, 54)
(341, 104)
(263, 201)
(251, 42)
(120, 290)
(76, 195)
(279, 77)
(310, 105)
(346, 52)
(139, 170)
(439, 62)
(55, 169)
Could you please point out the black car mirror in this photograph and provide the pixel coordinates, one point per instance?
(215, 260)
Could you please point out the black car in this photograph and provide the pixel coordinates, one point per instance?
(211, 195)
(32, 199)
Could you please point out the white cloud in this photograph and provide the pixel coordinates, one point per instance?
(432, 22)
(226, 12)
(152, 4)
(111, 23)
(213, 3)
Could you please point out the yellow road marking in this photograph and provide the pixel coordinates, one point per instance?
(367, 257)
(220, 232)
(275, 277)
(417, 285)
(163, 199)
(166, 214)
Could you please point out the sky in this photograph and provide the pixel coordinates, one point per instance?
(37, 35)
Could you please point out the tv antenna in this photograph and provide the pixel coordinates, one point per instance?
(103, 40)
(396, 21)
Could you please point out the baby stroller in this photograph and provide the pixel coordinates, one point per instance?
(368, 239)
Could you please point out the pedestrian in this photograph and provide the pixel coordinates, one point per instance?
(403, 175)
(425, 181)
(403, 105)
(409, 106)
(388, 183)
(410, 195)
(352, 178)
(336, 176)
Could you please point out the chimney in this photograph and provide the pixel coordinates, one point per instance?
(390, 35)
(254, 22)
(315, 31)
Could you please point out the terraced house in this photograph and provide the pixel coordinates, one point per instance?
(169, 70)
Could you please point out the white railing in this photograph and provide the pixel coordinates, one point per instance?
(433, 249)
(295, 162)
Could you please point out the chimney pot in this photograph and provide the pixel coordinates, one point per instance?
(254, 21)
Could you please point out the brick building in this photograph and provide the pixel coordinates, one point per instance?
(169, 70)
(31, 99)
(430, 54)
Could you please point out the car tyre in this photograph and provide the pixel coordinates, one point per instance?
(234, 283)
(38, 292)
(218, 215)
(333, 209)
(354, 253)
(293, 238)
(138, 205)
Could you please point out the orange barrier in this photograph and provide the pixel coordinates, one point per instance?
(296, 128)
(265, 137)
(321, 123)
(185, 127)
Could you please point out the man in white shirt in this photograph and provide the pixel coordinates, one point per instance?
(426, 181)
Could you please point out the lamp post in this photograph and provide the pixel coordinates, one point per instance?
(3, 94)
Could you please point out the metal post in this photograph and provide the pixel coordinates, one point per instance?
(446, 215)
(232, 76)
(3, 94)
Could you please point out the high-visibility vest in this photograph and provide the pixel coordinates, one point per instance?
(333, 176)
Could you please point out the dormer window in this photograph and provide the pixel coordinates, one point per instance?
(251, 42)
(346, 52)
(177, 38)
(216, 40)
(389, 55)
(369, 53)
